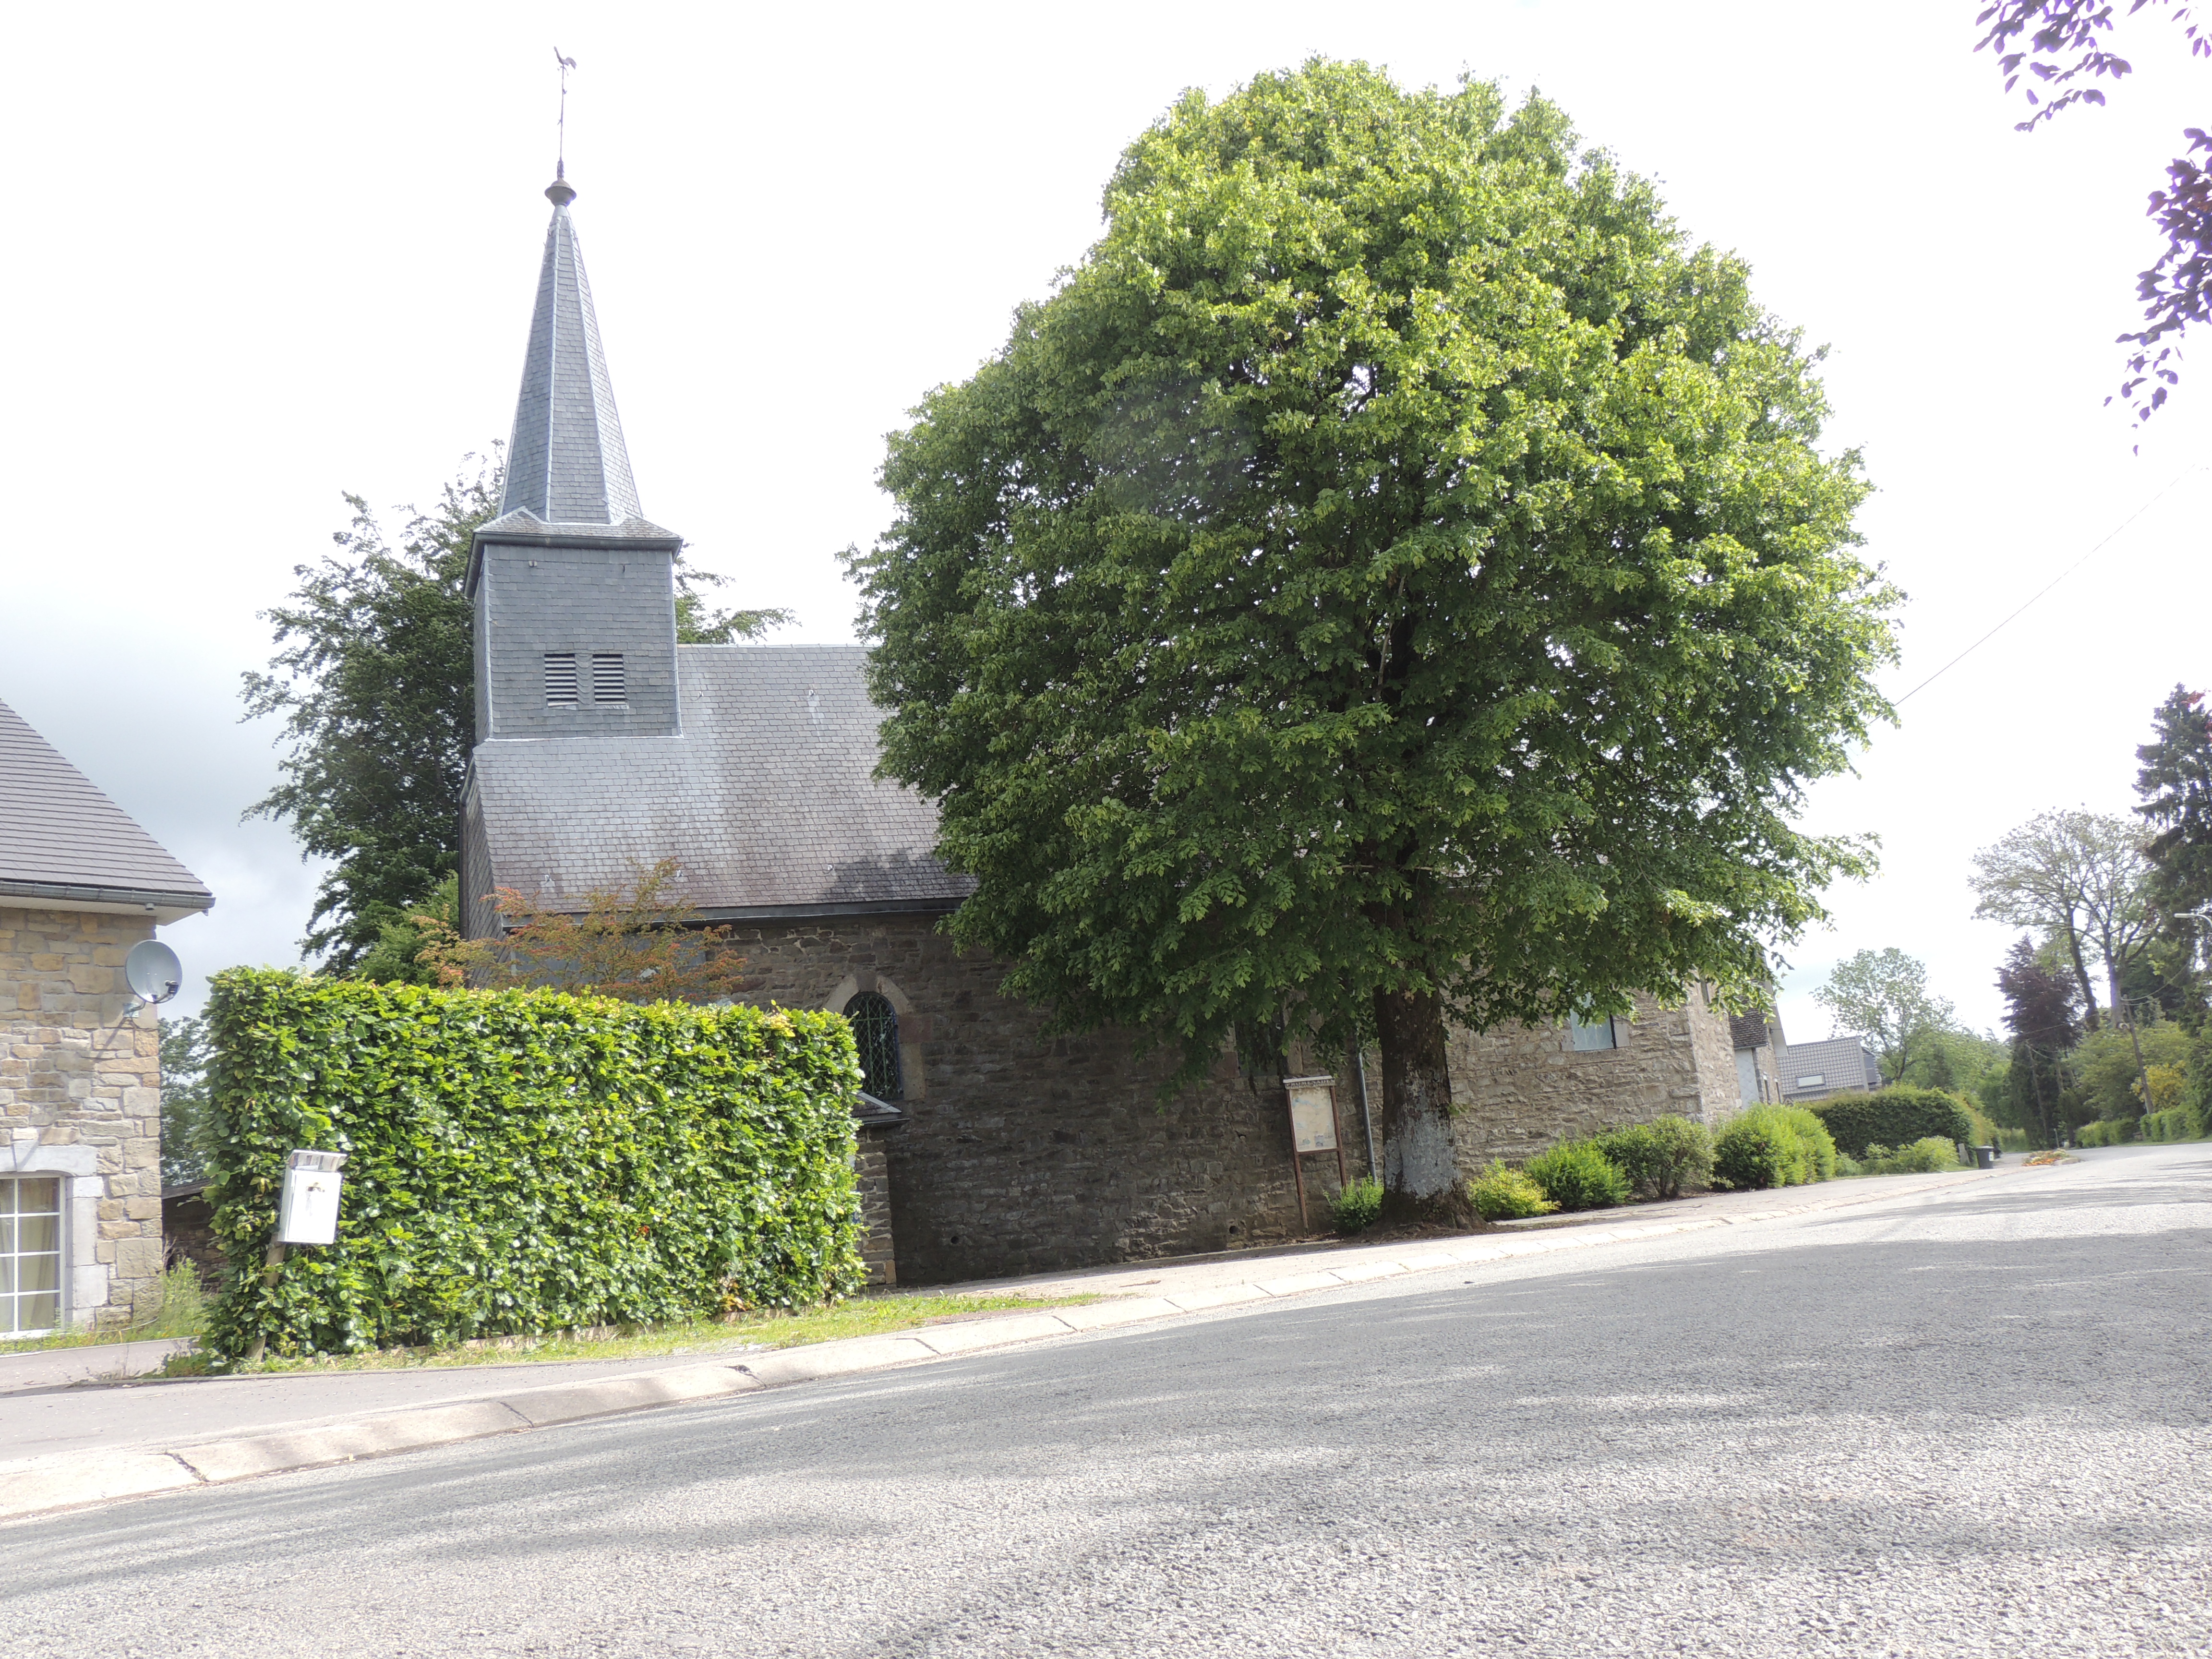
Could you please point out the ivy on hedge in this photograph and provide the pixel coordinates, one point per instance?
(525, 1161)
(1895, 1116)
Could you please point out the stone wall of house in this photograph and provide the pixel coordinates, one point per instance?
(872, 1172)
(1023, 1152)
(81, 1098)
(1521, 1089)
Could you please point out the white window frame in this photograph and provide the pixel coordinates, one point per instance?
(64, 1191)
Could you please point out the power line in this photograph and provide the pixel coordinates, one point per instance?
(2109, 536)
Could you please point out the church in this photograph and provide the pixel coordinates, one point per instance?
(605, 746)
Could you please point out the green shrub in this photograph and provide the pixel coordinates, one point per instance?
(1847, 1166)
(2106, 1132)
(1929, 1155)
(1504, 1194)
(2175, 1123)
(1355, 1208)
(1773, 1146)
(525, 1161)
(2013, 1141)
(1575, 1176)
(1663, 1158)
(1896, 1116)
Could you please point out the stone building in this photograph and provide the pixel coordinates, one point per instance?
(605, 747)
(80, 1078)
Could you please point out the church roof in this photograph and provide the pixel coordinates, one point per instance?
(767, 801)
(62, 840)
(567, 463)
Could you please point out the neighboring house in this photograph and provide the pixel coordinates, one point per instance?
(606, 746)
(79, 1083)
(1758, 1044)
(1813, 1070)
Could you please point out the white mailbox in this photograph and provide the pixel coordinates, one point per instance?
(308, 1211)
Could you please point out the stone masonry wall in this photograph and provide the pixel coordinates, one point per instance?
(1521, 1089)
(1023, 1152)
(871, 1174)
(81, 1097)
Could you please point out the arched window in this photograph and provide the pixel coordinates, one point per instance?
(875, 1028)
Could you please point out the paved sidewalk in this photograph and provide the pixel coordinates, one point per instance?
(77, 1445)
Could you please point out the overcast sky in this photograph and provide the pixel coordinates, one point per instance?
(261, 256)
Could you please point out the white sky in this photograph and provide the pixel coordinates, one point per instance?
(259, 256)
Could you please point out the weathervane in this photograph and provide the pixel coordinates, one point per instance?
(560, 145)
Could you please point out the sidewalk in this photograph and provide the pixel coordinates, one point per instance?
(79, 1443)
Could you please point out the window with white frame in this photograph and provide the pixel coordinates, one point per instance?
(1586, 1032)
(30, 1254)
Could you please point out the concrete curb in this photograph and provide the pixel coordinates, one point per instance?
(36, 1486)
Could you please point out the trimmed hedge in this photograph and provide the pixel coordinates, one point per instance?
(1773, 1146)
(2106, 1132)
(1895, 1116)
(2174, 1123)
(525, 1161)
(1502, 1195)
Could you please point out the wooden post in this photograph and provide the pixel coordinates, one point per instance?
(270, 1264)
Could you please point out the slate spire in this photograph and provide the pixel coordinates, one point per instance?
(567, 463)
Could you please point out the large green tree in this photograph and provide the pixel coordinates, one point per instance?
(1393, 581)
(2175, 782)
(373, 679)
(1884, 993)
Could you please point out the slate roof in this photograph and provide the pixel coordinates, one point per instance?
(1843, 1063)
(1748, 1030)
(62, 839)
(766, 800)
(567, 463)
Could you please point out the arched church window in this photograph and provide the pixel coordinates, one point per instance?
(875, 1028)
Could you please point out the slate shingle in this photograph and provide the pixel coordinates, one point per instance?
(57, 829)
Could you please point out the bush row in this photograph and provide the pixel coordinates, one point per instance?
(1774, 1146)
(1896, 1116)
(525, 1161)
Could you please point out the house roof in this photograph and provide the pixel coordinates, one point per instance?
(62, 840)
(1843, 1062)
(1748, 1030)
(767, 801)
(567, 463)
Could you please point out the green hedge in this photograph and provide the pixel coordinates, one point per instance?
(1576, 1175)
(2174, 1123)
(525, 1161)
(1895, 1116)
(2106, 1132)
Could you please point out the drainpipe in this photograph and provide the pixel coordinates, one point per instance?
(1359, 1079)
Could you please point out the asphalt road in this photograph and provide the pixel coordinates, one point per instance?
(1971, 1422)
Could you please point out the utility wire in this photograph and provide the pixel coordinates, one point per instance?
(2109, 536)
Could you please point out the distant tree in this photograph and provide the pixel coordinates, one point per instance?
(2103, 1067)
(636, 943)
(186, 1050)
(1395, 575)
(2039, 1013)
(374, 680)
(2175, 782)
(2083, 877)
(1885, 995)
(2063, 46)
(1947, 1058)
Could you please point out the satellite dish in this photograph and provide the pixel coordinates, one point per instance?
(153, 971)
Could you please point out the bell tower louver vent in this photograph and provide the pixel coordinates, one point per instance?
(607, 678)
(561, 679)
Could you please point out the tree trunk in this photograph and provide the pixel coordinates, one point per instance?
(1421, 1166)
(2082, 974)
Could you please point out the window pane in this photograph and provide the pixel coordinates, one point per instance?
(1588, 1033)
(38, 1313)
(36, 1233)
(41, 1197)
(7, 1226)
(7, 1275)
(38, 1272)
(875, 1033)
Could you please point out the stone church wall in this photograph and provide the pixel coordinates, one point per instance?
(81, 1100)
(1024, 1153)
(1519, 1090)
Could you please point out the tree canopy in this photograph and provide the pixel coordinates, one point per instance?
(1885, 994)
(2064, 46)
(374, 678)
(2175, 782)
(1392, 577)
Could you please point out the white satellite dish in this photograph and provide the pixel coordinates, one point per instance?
(153, 972)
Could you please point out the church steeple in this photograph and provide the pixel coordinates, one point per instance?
(567, 463)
